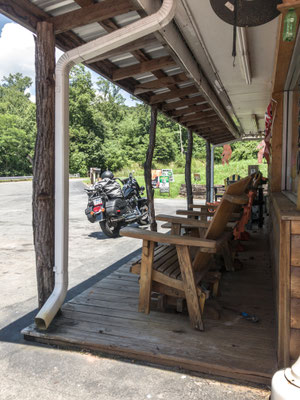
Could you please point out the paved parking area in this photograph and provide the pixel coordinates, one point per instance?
(30, 371)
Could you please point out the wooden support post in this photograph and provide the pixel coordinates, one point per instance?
(43, 162)
(208, 171)
(190, 288)
(275, 168)
(148, 166)
(188, 180)
(146, 276)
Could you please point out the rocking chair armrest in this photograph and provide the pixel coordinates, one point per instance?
(137, 233)
(194, 213)
(182, 221)
(204, 206)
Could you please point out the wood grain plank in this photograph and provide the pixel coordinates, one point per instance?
(160, 83)
(295, 313)
(181, 103)
(295, 250)
(186, 221)
(173, 94)
(192, 109)
(146, 66)
(190, 287)
(275, 169)
(284, 294)
(295, 344)
(92, 13)
(167, 263)
(146, 276)
(295, 282)
(199, 116)
(170, 239)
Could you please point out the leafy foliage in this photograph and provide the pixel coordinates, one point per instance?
(104, 132)
(17, 126)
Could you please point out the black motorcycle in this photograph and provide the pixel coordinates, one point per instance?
(115, 207)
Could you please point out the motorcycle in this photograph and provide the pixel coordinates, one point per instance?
(114, 207)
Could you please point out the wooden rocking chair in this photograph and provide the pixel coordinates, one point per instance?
(173, 271)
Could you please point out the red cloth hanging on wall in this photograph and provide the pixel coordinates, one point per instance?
(226, 155)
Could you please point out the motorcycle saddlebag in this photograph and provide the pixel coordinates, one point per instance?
(115, 207)
(90, 216)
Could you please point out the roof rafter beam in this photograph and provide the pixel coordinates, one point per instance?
(91, 13)
(216, 133)
(130, 47)
(215, 121)
(182, 54)
(191, 109)
(173, 94)
(23, 12)
(143, 67)
(210, 126)
(182, 103)
(159, 83)
(197, 116)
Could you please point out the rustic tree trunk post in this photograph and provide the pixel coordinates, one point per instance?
(43, 162)
(208, 171)
(148, 166)
(188, 178)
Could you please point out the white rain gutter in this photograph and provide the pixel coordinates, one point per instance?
(83, 53)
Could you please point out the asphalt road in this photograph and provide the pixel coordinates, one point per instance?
(34, 371)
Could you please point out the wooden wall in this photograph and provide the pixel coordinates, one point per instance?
(285, 251)
(295, 290)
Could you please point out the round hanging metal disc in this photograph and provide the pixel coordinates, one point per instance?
(249, 12)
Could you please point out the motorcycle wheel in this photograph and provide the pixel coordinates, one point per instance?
(110, 229)
(144, 220)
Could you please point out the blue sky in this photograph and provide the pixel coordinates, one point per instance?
(3, 21)
(17, 54)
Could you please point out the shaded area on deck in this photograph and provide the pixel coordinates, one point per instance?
(105, 318)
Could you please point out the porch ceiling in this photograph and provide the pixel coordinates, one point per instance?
(170, 68)
(198, 18)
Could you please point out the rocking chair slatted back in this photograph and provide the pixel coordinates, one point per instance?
(219, 222)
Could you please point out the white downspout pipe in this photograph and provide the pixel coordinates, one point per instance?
(109, 42)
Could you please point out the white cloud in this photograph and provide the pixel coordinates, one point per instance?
(17, 52)
(17, 55)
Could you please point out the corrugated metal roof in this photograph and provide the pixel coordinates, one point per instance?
(54, 7)
(154, 51)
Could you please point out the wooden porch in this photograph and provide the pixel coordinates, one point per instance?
(104, 318)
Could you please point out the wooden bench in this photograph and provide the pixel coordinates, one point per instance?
(182, 266)
(219, 192)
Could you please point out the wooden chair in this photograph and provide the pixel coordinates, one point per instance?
(227, 181)
(173, 270)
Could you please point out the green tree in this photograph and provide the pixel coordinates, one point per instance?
(165, 147)
(87, 125)
(18, 82)
(16, 147)
(17, 126)
(110, 103)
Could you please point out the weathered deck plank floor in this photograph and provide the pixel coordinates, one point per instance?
(105, 318)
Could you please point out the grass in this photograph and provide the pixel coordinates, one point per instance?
(221, 172)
